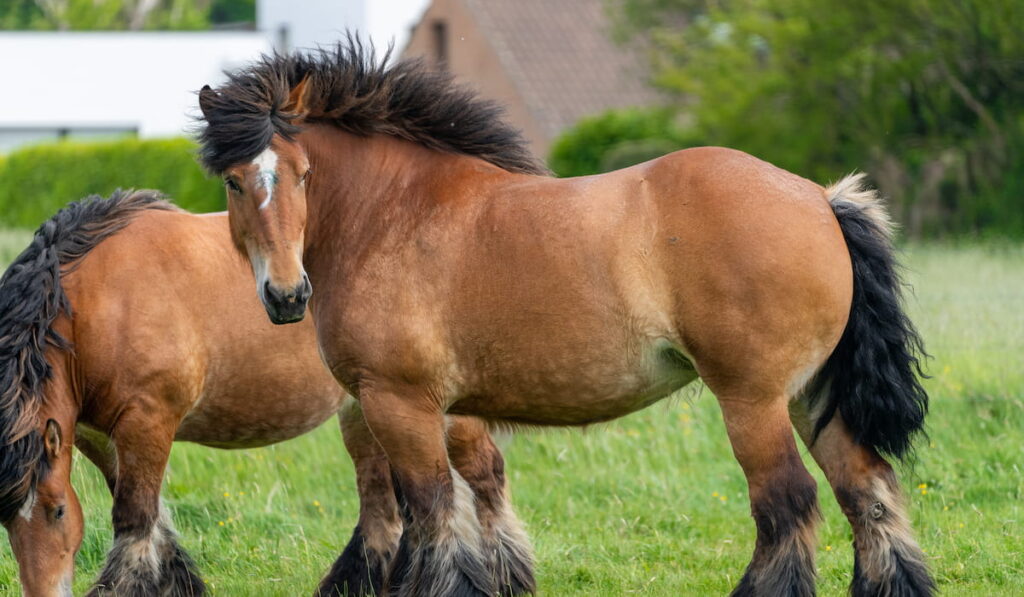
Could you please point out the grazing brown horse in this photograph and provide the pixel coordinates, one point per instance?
(114, 337)
(450, 275)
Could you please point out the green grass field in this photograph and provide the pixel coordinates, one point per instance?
(653, 504)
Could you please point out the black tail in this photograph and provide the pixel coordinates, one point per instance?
(31, 299)
(873, 376)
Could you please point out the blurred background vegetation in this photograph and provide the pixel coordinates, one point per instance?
(130, 15)
(927, 96)
(37, 181)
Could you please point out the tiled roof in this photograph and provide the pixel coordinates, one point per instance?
(560, 56)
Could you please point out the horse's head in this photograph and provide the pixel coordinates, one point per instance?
(46, 532)
(267, 215)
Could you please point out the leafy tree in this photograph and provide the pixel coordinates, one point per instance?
(926, 95)
(134, 15)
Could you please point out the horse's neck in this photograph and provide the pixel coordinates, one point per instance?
(371, 189)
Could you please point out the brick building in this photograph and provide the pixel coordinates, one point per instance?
(551, 62)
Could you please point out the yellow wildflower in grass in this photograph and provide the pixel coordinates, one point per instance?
(227, 494)
(828, 548)
(220, 523)
(924, 488)
(723, 497)
(316, 503)
(714, 494)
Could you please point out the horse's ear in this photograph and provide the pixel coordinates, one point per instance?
(51, 437)
(206, 97)
(298, 99)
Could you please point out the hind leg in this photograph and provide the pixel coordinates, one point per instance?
(361, 567)
(146, 558)
(783, 497)
(887, 560)
(478, 460)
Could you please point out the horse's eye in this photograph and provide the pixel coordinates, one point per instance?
(231, 184)
(305, 176)
(58, 513)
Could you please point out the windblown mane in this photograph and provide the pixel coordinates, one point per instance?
(352, 90)
(31, 299)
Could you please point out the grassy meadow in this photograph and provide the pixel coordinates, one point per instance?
(653, 504)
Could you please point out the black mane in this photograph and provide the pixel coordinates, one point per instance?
(355, 92)
(31, 299)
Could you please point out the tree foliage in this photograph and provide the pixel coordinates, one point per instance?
(133, 15)
(925, 95)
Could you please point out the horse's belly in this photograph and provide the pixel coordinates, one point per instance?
(248, 422)
(580, 392)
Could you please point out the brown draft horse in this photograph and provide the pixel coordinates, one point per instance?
(137, 289)
(450, 275)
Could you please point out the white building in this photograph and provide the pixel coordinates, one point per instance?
(101, 84)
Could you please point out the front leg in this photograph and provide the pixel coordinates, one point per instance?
(441, 553)
(359, 571)
(361, 567)
(146, 558)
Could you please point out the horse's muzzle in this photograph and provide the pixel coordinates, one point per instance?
(287, 305)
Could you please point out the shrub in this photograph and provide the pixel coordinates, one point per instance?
(37, 181)
(615, 139)
(630, 153)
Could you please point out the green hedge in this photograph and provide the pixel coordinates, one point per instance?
(616, 139)
(37, 181)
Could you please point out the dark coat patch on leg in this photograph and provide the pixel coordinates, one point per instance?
(356, 572)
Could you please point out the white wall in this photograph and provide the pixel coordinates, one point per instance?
(309, 22)
(99, 83)
(392, 20)
(140, 81)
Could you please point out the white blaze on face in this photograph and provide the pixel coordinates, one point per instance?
(26, 508)
(266, 170)
(260, 270)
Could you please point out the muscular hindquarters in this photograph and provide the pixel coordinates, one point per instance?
(759, 271)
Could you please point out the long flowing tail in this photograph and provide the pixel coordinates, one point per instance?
(31, 299)
(873, 376)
